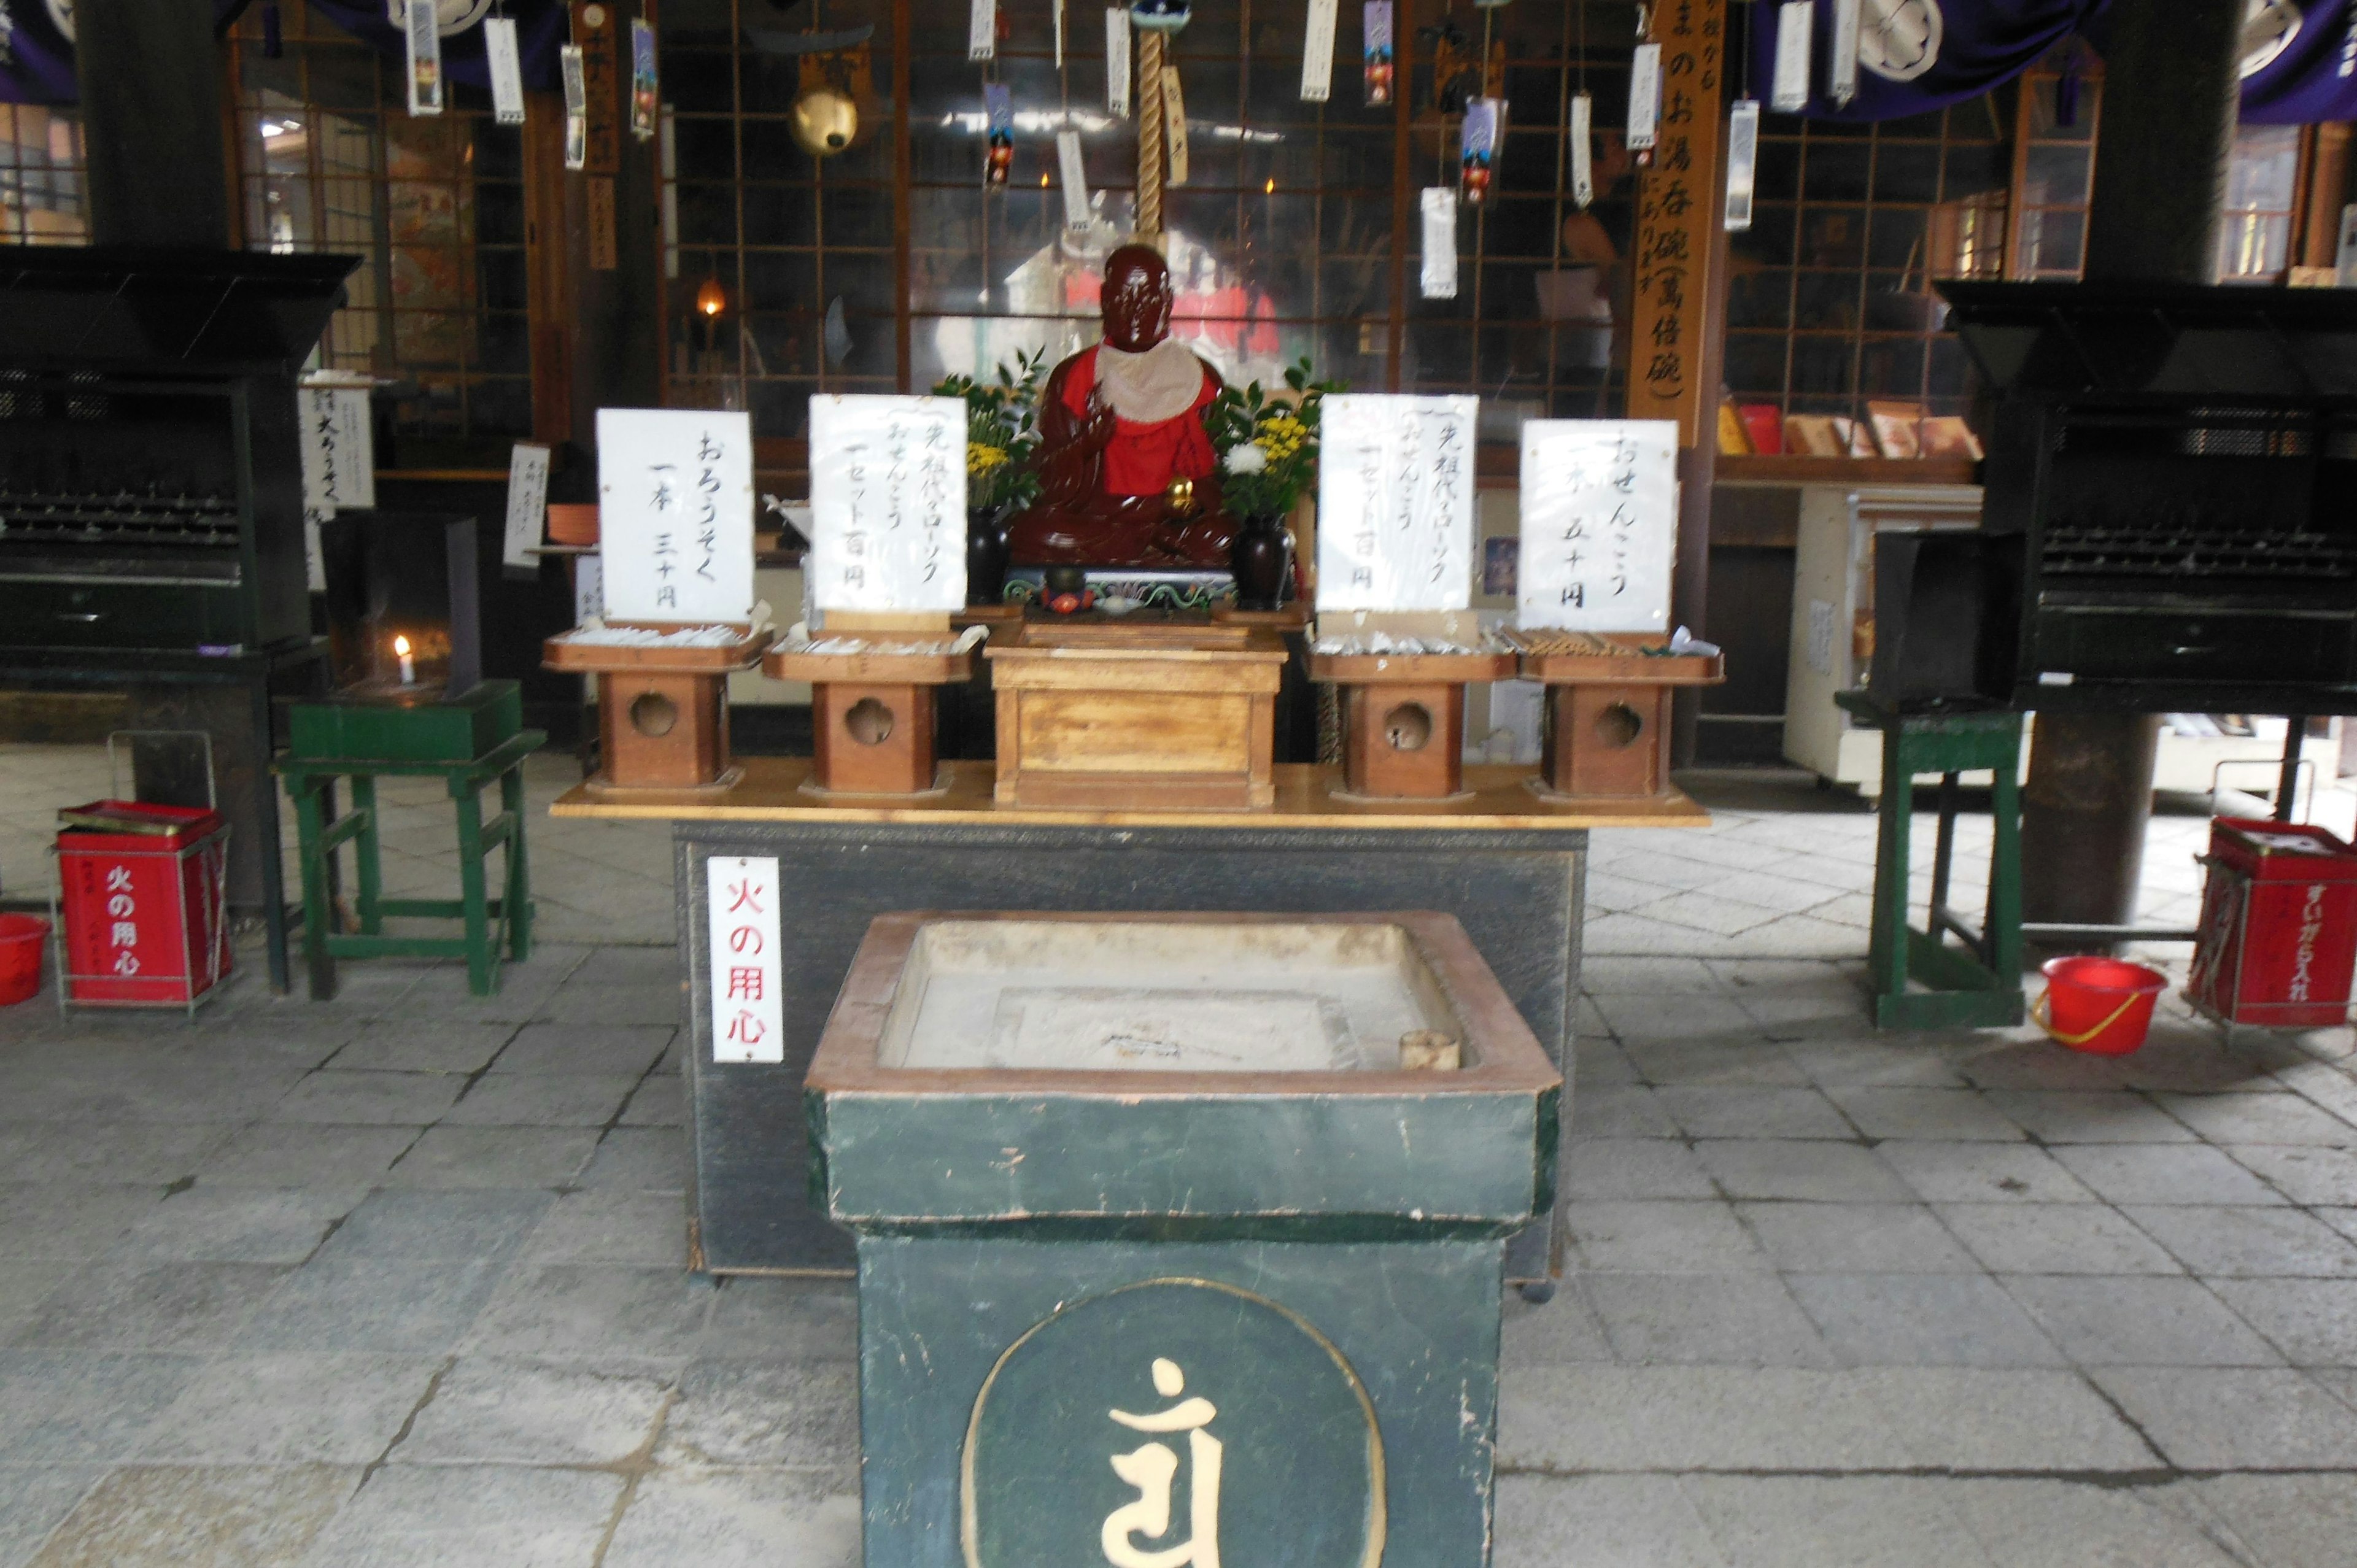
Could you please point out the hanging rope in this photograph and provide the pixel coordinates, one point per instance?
(1150, 137)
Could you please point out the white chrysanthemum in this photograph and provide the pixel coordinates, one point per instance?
(1247, 458)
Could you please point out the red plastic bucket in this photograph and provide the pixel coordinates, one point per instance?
(21, 937)
(2099, 1005)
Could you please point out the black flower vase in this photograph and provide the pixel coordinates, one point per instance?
(985, 555)
(1260, 559)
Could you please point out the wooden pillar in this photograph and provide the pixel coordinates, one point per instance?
(1680, 278)
(149, 76)
(2170, 98)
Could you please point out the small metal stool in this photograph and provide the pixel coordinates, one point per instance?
(1977, 985)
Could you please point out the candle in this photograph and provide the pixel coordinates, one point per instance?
(408, 665)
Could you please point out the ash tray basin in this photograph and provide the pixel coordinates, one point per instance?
(1181, 1070)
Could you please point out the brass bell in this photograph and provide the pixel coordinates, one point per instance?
(824, 121)
(1178, 499)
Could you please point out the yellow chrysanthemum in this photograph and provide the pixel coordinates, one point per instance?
(982, 460)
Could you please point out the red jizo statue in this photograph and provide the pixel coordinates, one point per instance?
(1127, 474)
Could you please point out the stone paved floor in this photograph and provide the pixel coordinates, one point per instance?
(397, 1279)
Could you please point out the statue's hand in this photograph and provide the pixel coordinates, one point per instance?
(1098, 432)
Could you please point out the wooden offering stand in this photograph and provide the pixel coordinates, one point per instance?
(872, 706)
(1113, 716)
(663, 709)
(1403, 713)
(1607, 713)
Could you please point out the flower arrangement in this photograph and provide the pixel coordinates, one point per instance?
(1267, 443)
(1002, 430)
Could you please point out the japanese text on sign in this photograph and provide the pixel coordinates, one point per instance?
(1600, 523)
(121, 922)
(749, 1014)
(887, 503)
(1676, 213)
(675, 514)
(1396, 503)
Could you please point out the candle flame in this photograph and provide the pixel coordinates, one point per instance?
(1270, 188)
(711, 299)
(401, 647)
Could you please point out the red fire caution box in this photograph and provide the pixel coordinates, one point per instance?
(2278, 941)
(146, 892)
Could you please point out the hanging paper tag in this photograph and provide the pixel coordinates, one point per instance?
(998, 110)
(1796, 22)
(1060, 34)
(1644, 96)
(645, 95)
(576, 107)
(1742, 162)
(1477, 147)
(1317, 52)
(421, 28)
(1117, 61)
(1075, 176)
(2345, 269)
(315, 412)
(1439, 271)
(589, 588)
(1174, 125)
(1376, 25)
(982, 30)
(507, 70)
(527, 507)
(1844, 84)
(1583, 149)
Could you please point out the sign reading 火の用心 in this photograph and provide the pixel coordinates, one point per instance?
(1396, 503)
(675, 514)
(749, 1020)
(1599, 524)
(887, 503)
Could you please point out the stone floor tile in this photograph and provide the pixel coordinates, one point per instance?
(609, 1006)
(1843, 1059)
(81, 1407)
(208, 1517)
(1617, 1110)
(1851, 1521)
(1564, 1331)
(2001, 1419)
(1704, 1017)
(659, 1100)
(447, 1046)
(2285, 1521)
(292, 1155)
(1983, 1173)
(282, 1408)
(69, 1222)
(450, 1157)
(1603, 975)
(2139, 1321)
(1742, 1061)
(740, 1519)
(123, 1153)
(131, 1303)
(2081, 1524)
(561, 1310)
(1598, 1418)
(595, 1046)
(1945, 1115)
(1855, 1238)
(2024, 1062)
(789, 1319)
(1605, 1168)
(2131, 1173)
(427, 1516)
(2058, 1238)
(1670, 1237)
(2260, 1119)
(2088, 1116)
(491, 1411)
(1616, 1522)
(239, 1225)
(34, 1498)
(1598, 1061)
(551, 1099)
(342, 1098)
(488, 1222)
(1729, 1319)
(1722, 1111)
(1807, 1172)
(23, 1285)
(764, 1413)
(2248, 1243)
(609, 1226)
(639, 1159)
(2240, 1417)
(2312, 1322)
(2309, 1176)
(397, 1305)
(1921, 1320)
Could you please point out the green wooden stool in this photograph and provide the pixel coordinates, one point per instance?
(1977, 985)
(366, 741)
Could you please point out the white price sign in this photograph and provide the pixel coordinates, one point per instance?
(887, 503)
(527, 506)
(749, 1014)
(1396, 503)
(1600, 523)
(675, 514)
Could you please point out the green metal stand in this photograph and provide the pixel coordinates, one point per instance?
(1977, 985)
(490, 923)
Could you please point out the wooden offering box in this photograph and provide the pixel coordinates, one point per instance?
(872, 712)
(663, 709)
(1403, 718)
(1112, 715)
(1607, 713)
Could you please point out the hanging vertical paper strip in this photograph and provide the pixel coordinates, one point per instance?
(1376, 26)
(1075, 176)
(1058, 18)
(646, 95)
(506, 63)
(1477, 147)
(1117, 61)
(1842, 79)
(1437, 276)
(982, 30)
(422, 28)
(1174, 125)
(1742, 162)
(1583, 149)
(1317, 52)
(576, 106)
(1796, 23)
(998, 111)
(1644, 97)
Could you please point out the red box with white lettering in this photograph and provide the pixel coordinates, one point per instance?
(145, 914)
(2278, 941)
